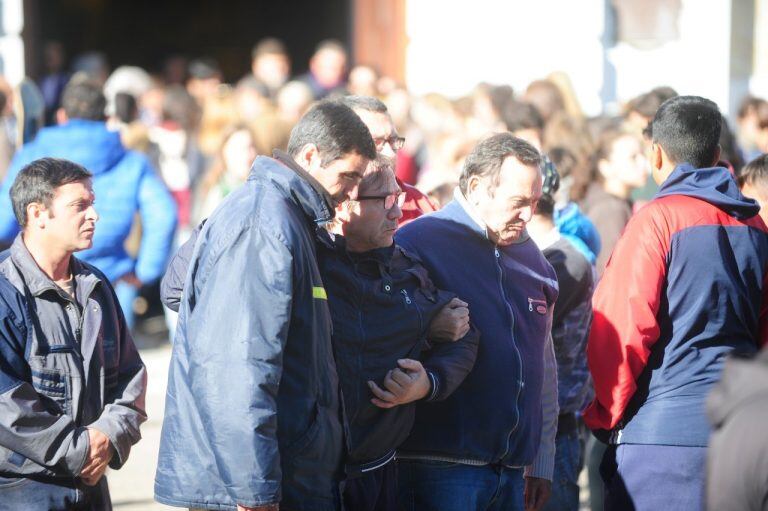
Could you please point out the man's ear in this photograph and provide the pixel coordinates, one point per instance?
(658, 156)
(37, 214)
(309, 158)
(473, 183)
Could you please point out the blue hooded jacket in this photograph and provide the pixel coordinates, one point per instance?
(124, 183)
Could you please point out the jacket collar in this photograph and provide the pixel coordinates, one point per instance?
(305, 189)
(465, 213)
(38, 282)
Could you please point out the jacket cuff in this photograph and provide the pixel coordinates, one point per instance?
(120, 442)
(434, 382)
(77, 453)
(543, 466)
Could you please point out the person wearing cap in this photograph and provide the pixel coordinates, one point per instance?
(571, 319)
(491, 444)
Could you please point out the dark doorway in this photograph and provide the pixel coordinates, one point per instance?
(145, 33)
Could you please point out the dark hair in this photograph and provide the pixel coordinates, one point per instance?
(755, 173)
(729, 147)
(367, 103)
(179, 106)
(204, 69)
(688, 129)
(84, 99)
(335, 130)
(126, 109)
(748, 105)
(38, 180)
(330, 44)
(648, 104)
(486, 158)
(546, 96)
(268, 46)
(522, 116)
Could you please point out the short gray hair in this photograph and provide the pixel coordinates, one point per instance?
(486, 158)
(376, 171)
(366, 103)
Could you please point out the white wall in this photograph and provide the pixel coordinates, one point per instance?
(454, 44)
(11, 44)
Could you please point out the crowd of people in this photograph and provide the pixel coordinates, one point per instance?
(382, 301)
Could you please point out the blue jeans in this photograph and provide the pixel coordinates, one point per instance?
(32, 495)
(653, 477)
(442, 486)
(569, 459)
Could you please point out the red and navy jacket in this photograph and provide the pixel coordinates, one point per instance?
(685, 287)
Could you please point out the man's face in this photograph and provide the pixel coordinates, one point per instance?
(70, 220)
(367, 223)
(627, 161)
(272, 68)
(507, 209)
(340, 177)
(328, 67)
(382, 130)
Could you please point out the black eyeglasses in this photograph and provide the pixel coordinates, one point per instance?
(388, 200)
(396, 142)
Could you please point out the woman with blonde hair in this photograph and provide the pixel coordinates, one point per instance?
(229, 170)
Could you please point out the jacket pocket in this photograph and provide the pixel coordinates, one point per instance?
(53, 385)
(12, 482)
(305, 439)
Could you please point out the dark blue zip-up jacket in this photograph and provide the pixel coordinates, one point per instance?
(382, 303)
(495, 416)
(252, 411)
(685, 286)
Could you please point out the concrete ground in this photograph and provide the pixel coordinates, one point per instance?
(132, 486)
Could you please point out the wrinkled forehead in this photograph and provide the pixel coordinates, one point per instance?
(379, 123)
(519, 180)
(378, 180)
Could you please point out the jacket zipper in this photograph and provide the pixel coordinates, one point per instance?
(520, 382)
(531, 301)
(408, 301)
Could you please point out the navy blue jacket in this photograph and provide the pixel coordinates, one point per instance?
(382, 303)
(252, 411)
(685, 286)
(495, 416)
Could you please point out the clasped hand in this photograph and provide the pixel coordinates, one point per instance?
(404, 384)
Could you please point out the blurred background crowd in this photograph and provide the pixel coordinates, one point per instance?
(201, 133)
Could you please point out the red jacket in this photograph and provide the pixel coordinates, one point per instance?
(685, 287)
(416, 203)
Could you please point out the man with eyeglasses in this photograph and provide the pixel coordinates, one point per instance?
(390, 348)
(375, 115)
(444, 319)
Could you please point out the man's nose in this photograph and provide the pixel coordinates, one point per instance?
(92, 214)
(395, 212)
(387, 150)
(352, 192)
(526, 213)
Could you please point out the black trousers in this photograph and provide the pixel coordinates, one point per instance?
(373, 491)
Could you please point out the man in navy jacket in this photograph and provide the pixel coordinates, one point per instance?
(469, 451)
(252, 417)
